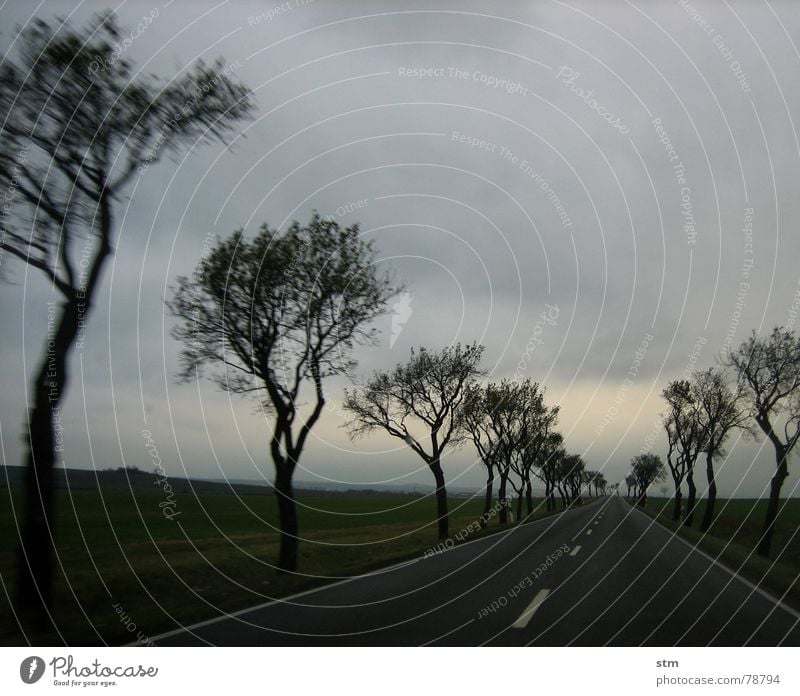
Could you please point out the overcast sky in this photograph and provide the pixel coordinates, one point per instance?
(628, 169)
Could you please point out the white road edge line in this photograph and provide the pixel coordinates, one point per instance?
(730, 571)
(526, 615)
(290, 598)
(574, 551)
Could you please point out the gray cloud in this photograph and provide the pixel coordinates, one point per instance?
(476, 231)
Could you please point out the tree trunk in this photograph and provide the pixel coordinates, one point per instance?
(287, 514)
(676, 511)
(36, 541)
(529, 496)
(691, 500)
(487, 499)
(782, 471)
(441, 499)
(562, 493)
(501, 498)
(35, 591)
(711, 497)
(519, 505)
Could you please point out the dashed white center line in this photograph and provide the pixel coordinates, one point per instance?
(574, 551)
(589, 532)
(598, 522)
(526, 615)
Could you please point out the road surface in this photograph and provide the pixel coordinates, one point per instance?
(601, 574)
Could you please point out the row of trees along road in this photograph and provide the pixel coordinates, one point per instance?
(435, 401)
(513, 431)
(264, 316)
(761, 396)
(646, 469)
(74, 138)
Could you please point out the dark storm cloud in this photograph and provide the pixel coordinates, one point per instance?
(501, 164)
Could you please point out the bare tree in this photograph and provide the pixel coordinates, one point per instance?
(272, 314)
(720, 410)
(768, 369)
(536, 424)
(630, 482)
(570, 478)
(646, 469)
(430, 390)
(74, 138)
(684, 441)
(492, 416)
(547, 465)
(600, 483)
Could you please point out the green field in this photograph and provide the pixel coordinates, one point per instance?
(117, 552)
(733, 537)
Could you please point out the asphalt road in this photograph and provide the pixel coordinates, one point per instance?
(602, 574)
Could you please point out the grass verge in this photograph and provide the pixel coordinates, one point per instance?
(126, 572)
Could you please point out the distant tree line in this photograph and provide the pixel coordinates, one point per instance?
(755, 390)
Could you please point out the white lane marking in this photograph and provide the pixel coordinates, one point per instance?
(526, 615)
(290, 598)
(589, 532)
(574, 551)
(598, 522)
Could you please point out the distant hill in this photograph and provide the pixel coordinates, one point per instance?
(128, 479)
(138, 480)
(340, 487)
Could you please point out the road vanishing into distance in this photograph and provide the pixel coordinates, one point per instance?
(601, 574)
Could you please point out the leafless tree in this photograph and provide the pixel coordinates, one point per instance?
(547, 466)
(720, 410)
(428, 391)
(768, 369)
(684, 441)
(646, 469)
(272, 314)
(536, 424)
(74, 138)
